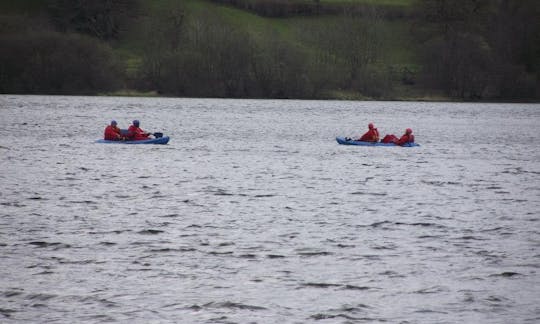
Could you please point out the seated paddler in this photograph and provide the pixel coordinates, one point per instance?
(406, 138)
(135, 133)
(372, 135)
(112, 132)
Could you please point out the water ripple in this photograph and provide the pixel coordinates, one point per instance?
(253, 213)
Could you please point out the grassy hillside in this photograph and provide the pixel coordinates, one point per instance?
(132, 47)
(397, 50)
(382, 49)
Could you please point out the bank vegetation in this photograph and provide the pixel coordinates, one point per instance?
(364, 49)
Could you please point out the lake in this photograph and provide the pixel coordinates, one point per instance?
(254, 214)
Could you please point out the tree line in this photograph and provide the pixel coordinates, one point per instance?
(482, 49)
(467, 50)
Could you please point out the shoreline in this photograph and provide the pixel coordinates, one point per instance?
(358, 98)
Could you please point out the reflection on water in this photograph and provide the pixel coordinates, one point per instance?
(253, 213)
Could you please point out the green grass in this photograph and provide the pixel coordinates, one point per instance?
(130, 93)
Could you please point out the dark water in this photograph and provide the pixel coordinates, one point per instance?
(254, 214)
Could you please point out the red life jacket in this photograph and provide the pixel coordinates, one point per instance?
(371, 135)
(406, 138)
(136, 134)
(391, 138)
(112, 133)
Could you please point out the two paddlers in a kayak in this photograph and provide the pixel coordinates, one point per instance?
(134, 132)
(372, 136)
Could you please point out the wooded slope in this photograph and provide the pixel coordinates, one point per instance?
(389, 49)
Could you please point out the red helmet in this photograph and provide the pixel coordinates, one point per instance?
(408, 131)
(370, 125)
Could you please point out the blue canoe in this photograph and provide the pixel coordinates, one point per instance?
(159, 140)
(343, 141)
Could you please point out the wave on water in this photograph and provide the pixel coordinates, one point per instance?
(235, 220)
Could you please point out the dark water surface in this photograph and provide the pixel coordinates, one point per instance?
(253, 214)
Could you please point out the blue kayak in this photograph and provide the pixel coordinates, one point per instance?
(343, 141)
(159, 140)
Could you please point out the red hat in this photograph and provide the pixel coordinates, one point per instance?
(408, 131)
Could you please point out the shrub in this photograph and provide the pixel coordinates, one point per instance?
(53, 63)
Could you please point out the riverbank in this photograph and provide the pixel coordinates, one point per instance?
(366, 50)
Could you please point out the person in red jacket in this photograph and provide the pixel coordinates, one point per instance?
(112, 132)
(408, 137)
(372, 135)
(135, 133)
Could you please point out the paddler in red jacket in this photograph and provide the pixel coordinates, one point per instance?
(372, 135)
(135, 133)
(112, 132)
(408, 137)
